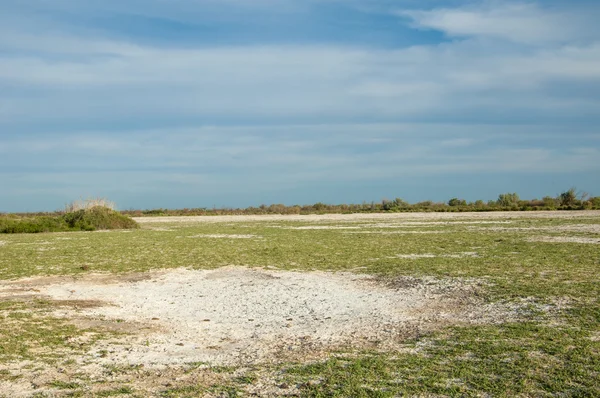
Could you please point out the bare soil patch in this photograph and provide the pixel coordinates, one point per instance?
(240, 316)
(565, 239)
(429, 255)
(225, 236)
(589, 228)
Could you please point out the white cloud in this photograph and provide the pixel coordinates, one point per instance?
(290, 81)
(91, 77)
(522, 22)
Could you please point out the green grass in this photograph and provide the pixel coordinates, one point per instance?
(546, 354)
(29, 332)
(64, 385)
(510, 360)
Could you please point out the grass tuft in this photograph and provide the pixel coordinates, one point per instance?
(89, 203)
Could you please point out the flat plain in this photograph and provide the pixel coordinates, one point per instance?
(402, 304)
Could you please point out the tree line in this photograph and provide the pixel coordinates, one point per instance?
(567, 200)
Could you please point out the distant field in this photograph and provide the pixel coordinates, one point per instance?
(374, 305)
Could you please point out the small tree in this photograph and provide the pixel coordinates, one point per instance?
(401, 203)
(568, 198)
(388, 205)
(454, 202)
(508, 200)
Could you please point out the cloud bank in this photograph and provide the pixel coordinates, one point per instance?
(418, 96)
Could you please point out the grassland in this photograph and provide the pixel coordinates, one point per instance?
(548, 268)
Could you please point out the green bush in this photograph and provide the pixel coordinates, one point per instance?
(455, 202)
(91, 219)
(31, 225)
(98, 218)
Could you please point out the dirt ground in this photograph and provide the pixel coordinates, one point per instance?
(241, 316)
(236, 316)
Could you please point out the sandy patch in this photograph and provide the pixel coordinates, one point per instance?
(399, 232)
(237, 315)
(224, 236)
(427, 255)
(593, 228)
(34, 243)
(319, 227)
(487, 216)
(428, 223)
(564, 239)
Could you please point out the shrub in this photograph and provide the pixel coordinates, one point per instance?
(568, 198)
(550, 202)
(98, 217)
(31, 225)
(90, 219)
(455, 202)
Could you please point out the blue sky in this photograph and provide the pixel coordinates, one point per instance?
(194, 103)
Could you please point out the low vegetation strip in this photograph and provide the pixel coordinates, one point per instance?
(568, 200)
(90, 219)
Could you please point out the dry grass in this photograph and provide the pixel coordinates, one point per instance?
(85, 204)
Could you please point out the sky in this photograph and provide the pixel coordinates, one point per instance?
(235, 103)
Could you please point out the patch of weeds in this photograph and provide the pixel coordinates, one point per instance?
(64, 385)
(183, 392)
(28, 333)
(245, 379)
(520, 359)
(224, 391)
(111, 370)
(7, 375)
(116, 391)
(39, 338)
(197, 365)
(223, 369)
(344, 377)
(40, 395)
(193, 366)
(75, 394)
